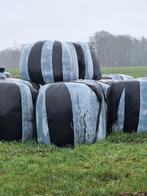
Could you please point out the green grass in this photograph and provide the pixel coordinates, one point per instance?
(108, 167)
(14, 71)
(133, 71)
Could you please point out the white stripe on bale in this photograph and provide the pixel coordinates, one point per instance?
(105, 87)
(23, 66)
(66, 62)
(88, 60)
(101, 132)
(142, 125)
(74, 59)
(126, 77)
(27, 111)
(117, 76)
(85, 109)
(119, 124)
(21, 81)
(46, 62)
(41, 117)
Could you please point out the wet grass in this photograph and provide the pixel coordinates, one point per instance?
(108, 167)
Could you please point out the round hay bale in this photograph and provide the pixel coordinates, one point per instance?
(127, 106)
(70, 113)
(16, 110)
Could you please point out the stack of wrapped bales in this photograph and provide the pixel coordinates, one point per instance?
(74, 103)
(70, 108)
(53, 61)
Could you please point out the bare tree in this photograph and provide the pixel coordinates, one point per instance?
(119, 50)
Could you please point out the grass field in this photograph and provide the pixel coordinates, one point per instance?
(14, 71)
(133, 71)
(109, 167)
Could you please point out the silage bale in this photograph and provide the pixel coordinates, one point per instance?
(142, 78)
(89, 67)
(53, 61)
(17, 100)
(4, 74)
(49, 61)
(117, 77)
(70, 113)
(127, 106)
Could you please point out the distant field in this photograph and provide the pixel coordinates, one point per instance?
(134, 71)
(14, 71)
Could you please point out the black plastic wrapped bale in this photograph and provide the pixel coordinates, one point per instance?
(4, 74)
(49, 61)
(117, 77)
(89, 67)
(73, 113)
(53, 61)
(142, 78)
(17, 98)
(127, 106)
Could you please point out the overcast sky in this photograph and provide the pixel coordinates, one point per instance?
(25, 21)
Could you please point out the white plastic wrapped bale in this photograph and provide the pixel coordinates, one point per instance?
(16, 110)
(53, 61)
(117, 76)
(68, 114)
(142, 78)
(89, 67)
(105, 87)
(4, 74)
(49, 61)
(127, 106)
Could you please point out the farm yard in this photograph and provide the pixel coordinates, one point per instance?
(109, 167)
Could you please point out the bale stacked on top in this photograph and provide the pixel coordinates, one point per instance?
(53, 61)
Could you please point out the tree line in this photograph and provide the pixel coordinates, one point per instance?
(111, 50)
(119, 50)
(10, 57)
